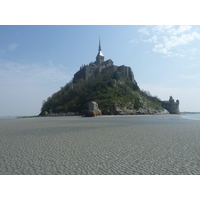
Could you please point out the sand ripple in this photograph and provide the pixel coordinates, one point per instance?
(100, 145)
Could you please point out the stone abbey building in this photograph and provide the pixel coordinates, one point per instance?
(102, 67)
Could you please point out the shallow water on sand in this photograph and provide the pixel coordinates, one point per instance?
(101, 145)
(191, 116)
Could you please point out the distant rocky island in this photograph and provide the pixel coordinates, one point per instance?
(102, 88)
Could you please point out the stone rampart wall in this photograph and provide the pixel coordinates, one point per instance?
(172, 108)
(107, 67)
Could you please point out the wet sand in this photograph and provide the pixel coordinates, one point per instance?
(101, 145)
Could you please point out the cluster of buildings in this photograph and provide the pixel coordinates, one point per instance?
(102, 67)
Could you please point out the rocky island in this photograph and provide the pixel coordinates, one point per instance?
(111, 89)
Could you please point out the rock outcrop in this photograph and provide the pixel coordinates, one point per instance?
(140, 111)
(93, 110)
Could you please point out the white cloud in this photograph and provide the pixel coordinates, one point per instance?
(167, 38)
(12, 46)
(169, 42)
(153, 39)
(144, 31)
(171, 29)
(162, 28)
(179, 30)
(160, 48)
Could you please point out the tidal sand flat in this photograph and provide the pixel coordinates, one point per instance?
(101, 145)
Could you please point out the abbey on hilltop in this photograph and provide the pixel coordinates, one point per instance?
(108, 89)
(102, 67)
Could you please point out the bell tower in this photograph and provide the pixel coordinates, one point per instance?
(100, 56)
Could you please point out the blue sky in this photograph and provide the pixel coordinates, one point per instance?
(35, 61)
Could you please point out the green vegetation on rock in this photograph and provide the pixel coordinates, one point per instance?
(110, 93)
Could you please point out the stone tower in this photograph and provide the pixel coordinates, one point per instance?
(100, 56)
(171, 106)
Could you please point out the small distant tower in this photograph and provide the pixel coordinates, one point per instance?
(171, 106)
(100, 56)
(171, 100)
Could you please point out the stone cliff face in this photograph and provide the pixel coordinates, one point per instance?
(119, 72)
(93, 71)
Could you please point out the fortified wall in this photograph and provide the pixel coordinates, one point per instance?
(171, 106)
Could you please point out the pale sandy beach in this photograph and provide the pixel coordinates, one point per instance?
(101, 145)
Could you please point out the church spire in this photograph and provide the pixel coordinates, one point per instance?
(99, 44)
(100, 56)
(100, 52)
